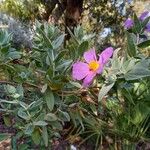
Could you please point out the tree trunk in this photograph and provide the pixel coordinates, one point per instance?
(49, 7)
(59, 11)
(73, 15)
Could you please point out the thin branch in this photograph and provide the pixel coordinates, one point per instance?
(26, 84)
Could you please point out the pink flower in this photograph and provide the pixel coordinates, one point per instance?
(128, 23)
(144, 15)
(87, 70)
(147, 27)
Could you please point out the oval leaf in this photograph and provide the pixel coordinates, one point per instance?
(131, 47)
(50, 117)
(49, 98)
(104, 90)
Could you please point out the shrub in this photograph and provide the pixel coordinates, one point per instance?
(45, 105)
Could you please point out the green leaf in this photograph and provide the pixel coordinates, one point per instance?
(60, 55)
(56, 125)
(83, 47)
(45, 136)
(76, 84)
(14, 143)
(16, 95)
(50, 117)
(49, 98)
(128, 65)
(64, 116)
(104, 90)
(50, 72)
(24, 105)
(5, 48)
(23, 114)
(14, 55)
(128, 95)
(10, 89)
(20, 90)
(131, 47)
(35, 104)
(9, 102)
(64, 65)
(116, 61)
(145, 22)
(140, 113)
(7, 120)
(36, 136)
(5, 37)
(58, 42)
(44, 88)
(29, 128)
(137, 24)
(40, 123)
(4, 136)
(144, 44)
(137, 73)
(140, 70)
(46, 38)
(23, 146)
(50, 58)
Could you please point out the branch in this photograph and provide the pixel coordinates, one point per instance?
(25, 85)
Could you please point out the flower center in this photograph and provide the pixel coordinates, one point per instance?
(93, 65)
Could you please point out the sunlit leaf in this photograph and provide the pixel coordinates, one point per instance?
(104, 90)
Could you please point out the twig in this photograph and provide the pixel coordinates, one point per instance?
(7, 82)
(26, 84)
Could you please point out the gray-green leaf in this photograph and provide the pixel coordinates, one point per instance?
(104, 90)
(49, 98)
(40, 123)
(50, 117)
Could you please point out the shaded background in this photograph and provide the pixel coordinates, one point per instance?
(103, 17)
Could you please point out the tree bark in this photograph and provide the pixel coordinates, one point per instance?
(59, 11)
(49, 7)
(73, 15)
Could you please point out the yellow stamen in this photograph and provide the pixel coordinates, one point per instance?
(93, 65)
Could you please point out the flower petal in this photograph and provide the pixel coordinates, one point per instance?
(88, 79)
(90, 55)
(105, 55)
(80, 70)
(128, 23)
(144, 15)
(148, 27)
(101, 66)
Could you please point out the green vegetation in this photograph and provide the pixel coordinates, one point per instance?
(45, 108)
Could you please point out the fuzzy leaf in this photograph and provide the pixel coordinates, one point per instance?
(144, 44)
(131, 47)
(50, 117)
(104, 90)
(49, 98)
